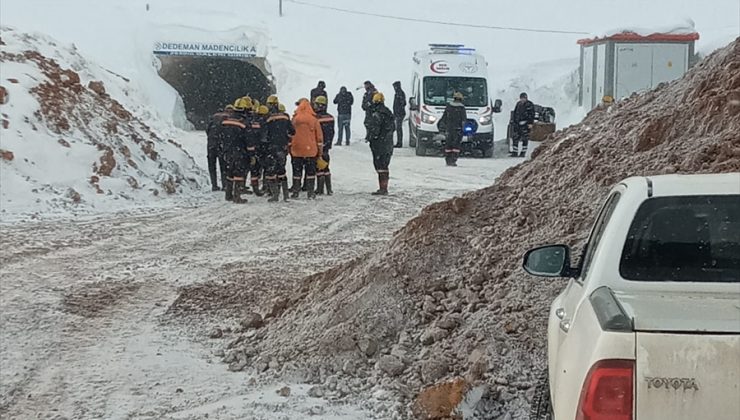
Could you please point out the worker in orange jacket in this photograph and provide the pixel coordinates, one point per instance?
(305, 147)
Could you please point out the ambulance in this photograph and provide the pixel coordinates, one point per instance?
(438, 73)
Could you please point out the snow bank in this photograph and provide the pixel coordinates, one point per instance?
(75, 139)
(685, 26)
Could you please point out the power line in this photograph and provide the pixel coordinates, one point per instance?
(438, 22)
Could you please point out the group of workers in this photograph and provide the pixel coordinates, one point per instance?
(250, 141)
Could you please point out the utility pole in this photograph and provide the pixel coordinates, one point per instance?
(281, 8)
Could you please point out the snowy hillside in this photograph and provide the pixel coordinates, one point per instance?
(76, 138)
(347, 42)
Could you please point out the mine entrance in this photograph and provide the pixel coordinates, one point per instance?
(207, 84)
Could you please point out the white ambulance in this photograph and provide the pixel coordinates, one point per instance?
(438, 73)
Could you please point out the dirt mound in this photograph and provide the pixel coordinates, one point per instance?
(447, 298)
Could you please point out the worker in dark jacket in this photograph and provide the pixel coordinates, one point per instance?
(319, 90)
(344, 101)
(215, 147)
(451, 123)
(323, 175)
(235, 137)
(523, 118)
(279, 130)
(399, 112)
(381, 126)
(367, 104)
(256, 139)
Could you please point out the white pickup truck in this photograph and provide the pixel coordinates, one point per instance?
(648, 326)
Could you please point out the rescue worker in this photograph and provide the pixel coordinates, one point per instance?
(399, 112)
(214, 148)
(523, 118)
(259, 139)
(305, 148)
(279, 131)
(319, 90)
(323, 175)
(381, 126)
(344, 101)
(236, 154)
(273, 104)
(367, 104)
(452, 122)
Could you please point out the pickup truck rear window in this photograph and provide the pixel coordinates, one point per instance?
(688, 239)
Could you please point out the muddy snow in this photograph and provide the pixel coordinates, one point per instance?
(109, 317)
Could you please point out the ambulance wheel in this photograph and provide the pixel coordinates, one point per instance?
(421, 149)
(488, 152)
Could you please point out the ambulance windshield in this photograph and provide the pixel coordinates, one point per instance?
(438, 90)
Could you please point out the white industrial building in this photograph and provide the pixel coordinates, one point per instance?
(615, 66)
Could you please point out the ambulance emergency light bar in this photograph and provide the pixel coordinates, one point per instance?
(451, 49)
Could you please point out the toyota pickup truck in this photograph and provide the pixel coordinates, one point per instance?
(648, 326)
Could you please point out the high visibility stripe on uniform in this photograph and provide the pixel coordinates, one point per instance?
(382, 171)
(228, 178)
(270, 178)
(278, 118)
(233, 123)
(326, 119)
(296, 177)
(256, 125)
(452, 150)
(251, 148)
(238, 178)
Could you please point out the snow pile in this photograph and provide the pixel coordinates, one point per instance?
(76, 138)
(682, 27)
(446, 298)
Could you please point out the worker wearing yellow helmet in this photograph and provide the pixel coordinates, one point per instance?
(234, 136)
(257, 121)
(326, 120)
(243, 104)
(279, 132)
(272, 104)
(381, 126)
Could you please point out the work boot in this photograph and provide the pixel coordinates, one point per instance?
(320, 187)
(274, 191)
(238, 188)
(284, 186)
(310, 188)
(382, 184)
(228, 189)
(327, 182)
(215, 188)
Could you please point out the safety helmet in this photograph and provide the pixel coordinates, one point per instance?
(281, 107)
(378, 98)
(243, 103)
(229, 107)
(272, 100)
(321, 100)
(458, 96)
(255, 105)
(262, 110)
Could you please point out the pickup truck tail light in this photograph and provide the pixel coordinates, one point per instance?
(608, 391)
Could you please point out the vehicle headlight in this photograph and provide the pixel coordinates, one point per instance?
(485, 119)
(428, 118)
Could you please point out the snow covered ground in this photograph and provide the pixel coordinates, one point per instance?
(83, 304)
